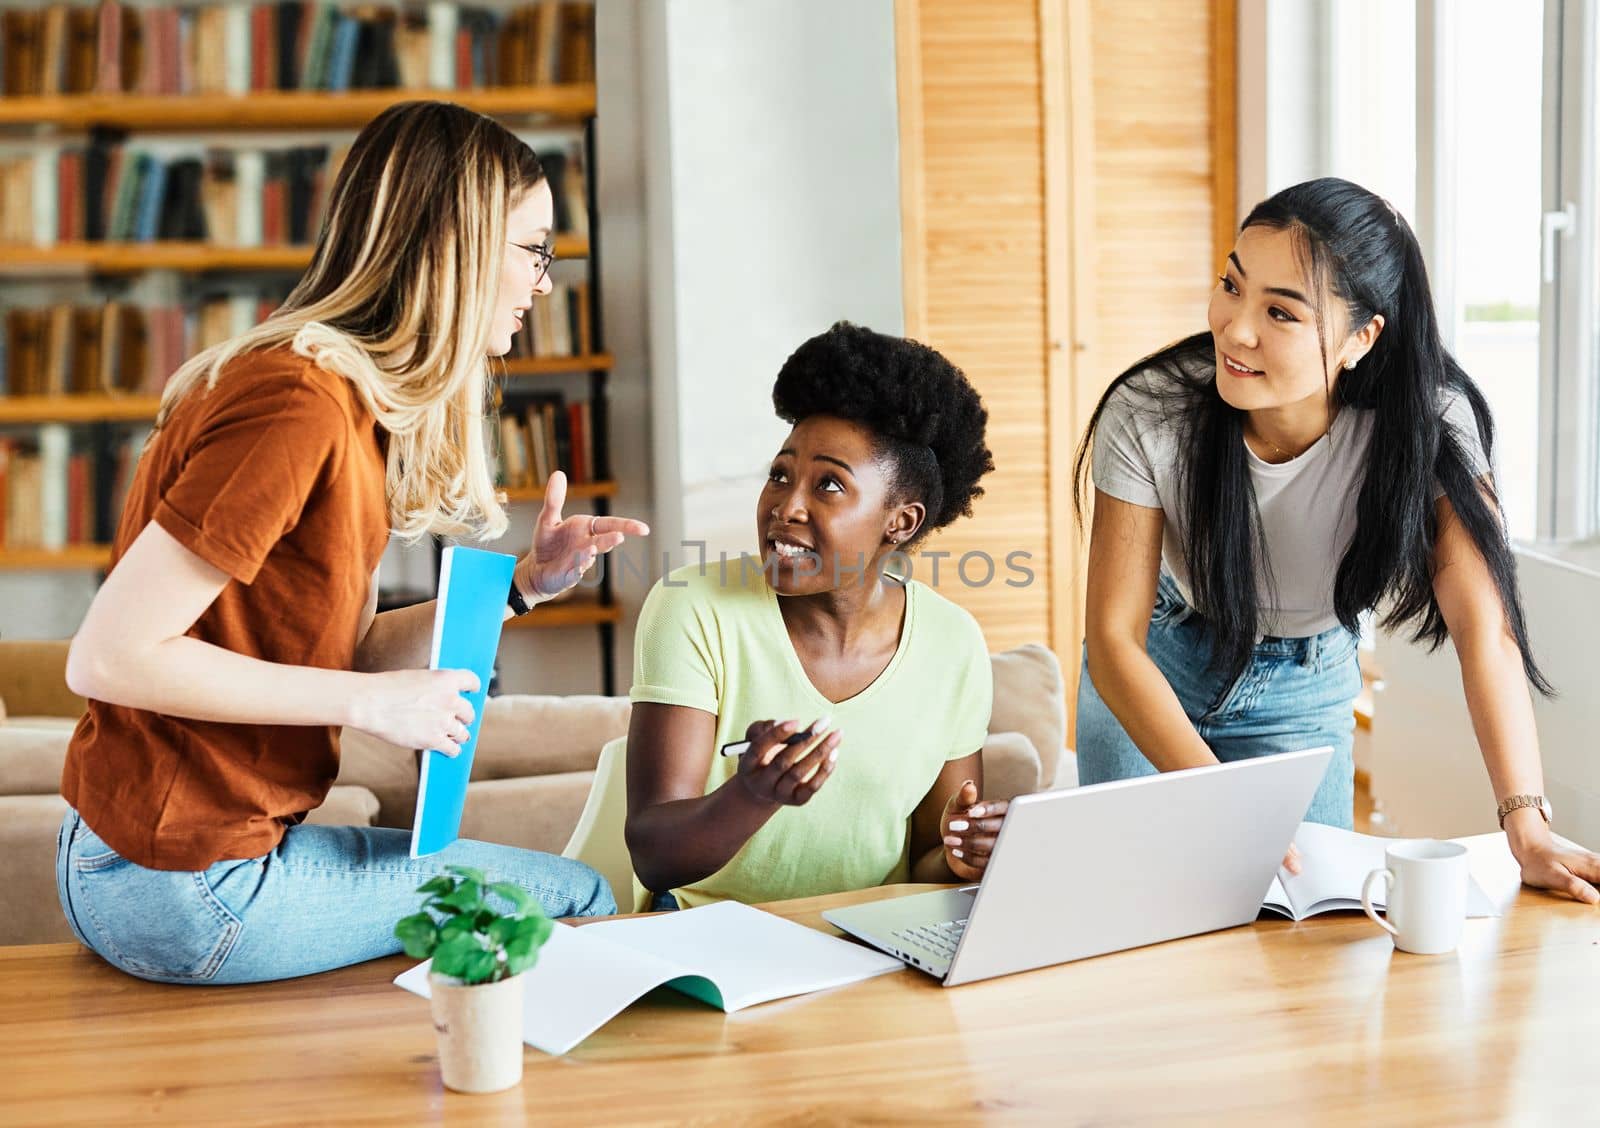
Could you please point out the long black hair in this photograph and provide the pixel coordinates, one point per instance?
(1359, 250)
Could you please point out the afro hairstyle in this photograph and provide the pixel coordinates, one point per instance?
(928, 420)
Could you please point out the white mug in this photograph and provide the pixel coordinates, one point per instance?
(1427, 895)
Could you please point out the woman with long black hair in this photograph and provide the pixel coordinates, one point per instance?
(1315, 455)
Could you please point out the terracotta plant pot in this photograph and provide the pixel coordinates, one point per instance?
(479, 1029)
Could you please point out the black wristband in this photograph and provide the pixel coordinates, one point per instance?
(514, 600)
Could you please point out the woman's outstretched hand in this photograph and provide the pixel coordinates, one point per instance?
(969, 829)
(564, 548)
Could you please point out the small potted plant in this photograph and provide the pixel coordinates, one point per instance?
(475, 982)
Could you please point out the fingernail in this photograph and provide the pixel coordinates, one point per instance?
(952, 840)
(958, 824)
(833, 756)
(955, 853)
(976, 812)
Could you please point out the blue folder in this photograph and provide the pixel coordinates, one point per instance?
(466, 633)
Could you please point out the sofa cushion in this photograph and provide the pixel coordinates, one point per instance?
(1010, 766)
(1029, 697)
(33, 678)
(30, 910)
(346, 805)
(534, 812)
(387, 772)
(32, 752)
(535, 735)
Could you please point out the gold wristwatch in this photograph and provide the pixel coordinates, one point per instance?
(1511, 803)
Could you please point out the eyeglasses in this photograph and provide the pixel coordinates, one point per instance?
(543, 255)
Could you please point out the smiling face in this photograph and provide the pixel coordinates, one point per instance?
(1265, 330)
(826, 508)
(528, 224)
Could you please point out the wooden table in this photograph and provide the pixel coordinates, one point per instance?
(1319, 1021)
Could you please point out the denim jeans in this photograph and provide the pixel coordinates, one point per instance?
(1295, 693)
(325, 897)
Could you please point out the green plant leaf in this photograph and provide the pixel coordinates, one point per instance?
(480, 967)
(439, 884)
(436, 905)
(469, 873)
(454, 956)
(517, 895)
(465, 898)
(543, 927)
(506, 929)
(418, 934)
(520, 956)
(456, 926)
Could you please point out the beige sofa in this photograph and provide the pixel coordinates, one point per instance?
(532, 774)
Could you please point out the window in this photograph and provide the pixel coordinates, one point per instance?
(1454, 142)
(1569, 418)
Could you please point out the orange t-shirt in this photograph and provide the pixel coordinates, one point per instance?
(275, 476)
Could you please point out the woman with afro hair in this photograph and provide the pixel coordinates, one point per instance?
(863, 695)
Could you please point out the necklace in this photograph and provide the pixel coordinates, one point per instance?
(1276, 449)
(1286, 455)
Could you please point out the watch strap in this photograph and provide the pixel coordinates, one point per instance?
(1513, 802)
(514, 600)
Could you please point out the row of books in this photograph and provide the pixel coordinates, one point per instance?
(541, 434)
(123, 347)
(240, 48)
(54, 494)
(112, 192)
(556, 325)
(115, 347)
(118, 192)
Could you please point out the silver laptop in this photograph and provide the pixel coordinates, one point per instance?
(1097, 869)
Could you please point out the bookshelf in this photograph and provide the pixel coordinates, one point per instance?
(553, 365)
(570, 611)
(307, 109)
(578, 491)
(73, 558)
(193, 258)
(25, 410)
(547, 88)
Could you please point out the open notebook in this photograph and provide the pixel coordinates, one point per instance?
(1334, 863)
(727, 955)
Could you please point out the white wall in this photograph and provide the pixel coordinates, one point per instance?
(772, 160)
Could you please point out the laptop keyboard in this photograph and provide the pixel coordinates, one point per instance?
(940, 938)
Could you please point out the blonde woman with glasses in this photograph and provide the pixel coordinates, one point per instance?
(236, 632)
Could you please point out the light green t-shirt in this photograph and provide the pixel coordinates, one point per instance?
(722, 647)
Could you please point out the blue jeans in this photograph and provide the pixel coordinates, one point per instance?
(1296, 693)
(325, 897)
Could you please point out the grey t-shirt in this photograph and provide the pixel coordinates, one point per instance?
(1307, 505)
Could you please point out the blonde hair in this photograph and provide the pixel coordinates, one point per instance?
(398, 300)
